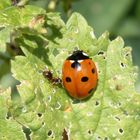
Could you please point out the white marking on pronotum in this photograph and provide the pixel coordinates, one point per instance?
(84, 54)
(71, 61)
(79, 61)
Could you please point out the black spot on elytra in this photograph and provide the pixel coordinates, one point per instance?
(68, 79)
(75, 64)
(93, 70)
(84, 79)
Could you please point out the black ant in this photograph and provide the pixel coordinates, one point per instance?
(49, 75)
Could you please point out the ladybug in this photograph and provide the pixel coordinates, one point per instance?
(79, 75)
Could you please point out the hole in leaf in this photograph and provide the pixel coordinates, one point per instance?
(8, 115)
(123, 65)
(24, 109)
(117, 118)
(39, 114)
(90, 132)
(27, 132)
(58, 105)
(119, 104)
(53, 91)
(121, 130)
(50, 133)
(100, 53)
(43, 123)
(96, 103)
(55, 52)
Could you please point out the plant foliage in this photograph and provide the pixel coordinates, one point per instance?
(41, 110)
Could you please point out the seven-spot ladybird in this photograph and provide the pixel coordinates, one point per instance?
(79, 75)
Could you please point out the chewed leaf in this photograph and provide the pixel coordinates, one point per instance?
(14, 16)
(9, 128)
(48, 111)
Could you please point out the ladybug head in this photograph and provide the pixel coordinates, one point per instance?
(78, 55)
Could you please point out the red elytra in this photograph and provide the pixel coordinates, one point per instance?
(79, 75)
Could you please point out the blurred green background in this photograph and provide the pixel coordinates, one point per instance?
(119, 17)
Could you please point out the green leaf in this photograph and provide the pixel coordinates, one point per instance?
(4, 4)
(47, 109)
(15, 16)
(35, 91)
(9, 128)
(4, 38)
